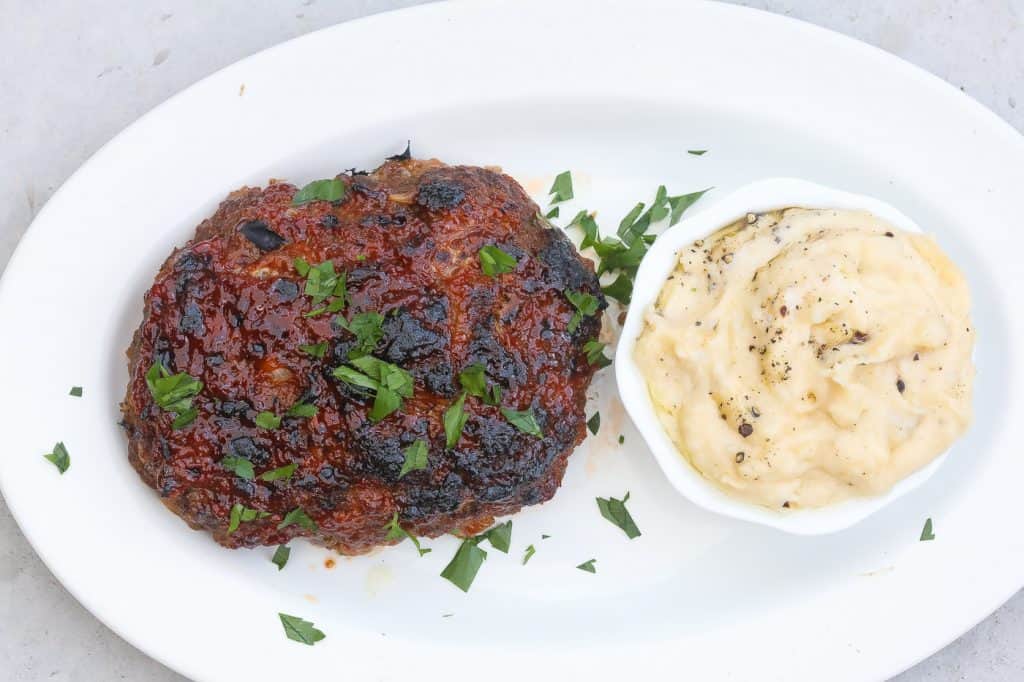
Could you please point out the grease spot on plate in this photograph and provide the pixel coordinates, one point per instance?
(377, 578)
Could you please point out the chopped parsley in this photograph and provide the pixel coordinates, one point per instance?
(494, 261)
(528, 554)
(524, 421)
(553, 213)
(280, 473)
(367, 327)
(500, 536)
(185, 418)
(615, 511)
(301, 409)
(241, 514)
(697, 152)
(281, 555)
(561, 188)
(415, 458)
(323, 283)
(585, 304)
(474, 381)
(594, 423)
(621, 255)
(76, 391)
(239, 466)
(59, 457)
(926, 532)
(299, 630)
(462, 569)
(595, 353)
(589, 227)
(682, 202)
(396, 532)
(332, 189)
(317, 350)
(621, 289)
(297, 517)
(588, 566)
(622, 439)
(454, 420)
(268, 420)
(634, 225)
(174, 393)
(389, 382)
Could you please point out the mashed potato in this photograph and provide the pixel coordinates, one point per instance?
(801, 357)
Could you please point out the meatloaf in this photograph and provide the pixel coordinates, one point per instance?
(255, 377)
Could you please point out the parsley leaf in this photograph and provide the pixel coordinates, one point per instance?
(462, 569)
(241, 514)
(561, 188)
(585, 305)
(267, 420)
(659, 207)
(524, 421)
(553, 213)
(317, 350)
(322, 283)
(354, 378)
(615, 511)
(697, 152)
(631, 227)
(332, 189)
(474, 380)
(621, 289)
(301, 409)
(594, 423)
(415, 458)
(185, 418)
(682, 202)
(500, 536)
(281, 555)
(385, 402)
(617, 256)
(76, 391)
(454, 420)
(240, 466)
(588, 566)
(528, 554)
(59, 457)
(173, 393)
(396, 532)
(494, 261)
(280, 473)
(622, 439)
(298, 517)
(590, 230)
(368, 328)
(595, 353)
(299, 630)
(390, 382)
(926, 532)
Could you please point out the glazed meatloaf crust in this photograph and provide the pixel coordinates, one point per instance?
(233, 310)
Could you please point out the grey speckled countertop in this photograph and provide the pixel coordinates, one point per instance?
(87, 68)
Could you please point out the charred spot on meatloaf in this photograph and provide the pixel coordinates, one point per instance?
(230, 310)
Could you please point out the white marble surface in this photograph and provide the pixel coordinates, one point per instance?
(74, 72)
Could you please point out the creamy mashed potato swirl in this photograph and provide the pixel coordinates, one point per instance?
(801, 357)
